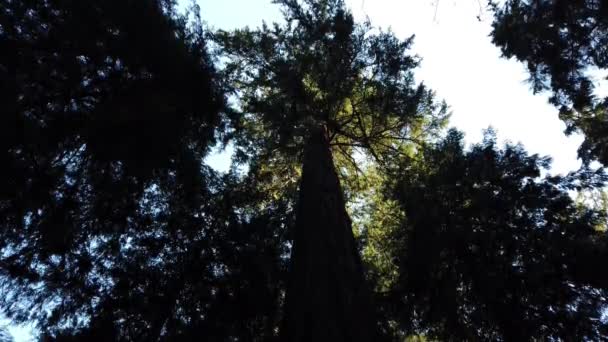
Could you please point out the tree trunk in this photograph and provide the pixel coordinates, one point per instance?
(327, 299)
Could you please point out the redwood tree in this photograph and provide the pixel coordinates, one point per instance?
(332, 95)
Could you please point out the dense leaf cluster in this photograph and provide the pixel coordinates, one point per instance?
(112, 227)
(495, 251)
(321, 68)
(562, 44)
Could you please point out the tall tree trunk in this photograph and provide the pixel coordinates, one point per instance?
(327, 299)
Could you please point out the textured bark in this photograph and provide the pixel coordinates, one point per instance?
(327, 299)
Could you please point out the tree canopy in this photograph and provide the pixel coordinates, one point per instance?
(324, 84)
(350, 212)
(492, 250)
(322, 68)
(105, 120)
(562, 44)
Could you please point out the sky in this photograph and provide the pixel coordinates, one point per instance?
(458, 61)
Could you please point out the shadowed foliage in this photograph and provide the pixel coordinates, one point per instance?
(562, 43)
(494, 251)
(107, 111)
(345, 215)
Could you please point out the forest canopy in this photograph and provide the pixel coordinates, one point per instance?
(351, 212)
(563, 44)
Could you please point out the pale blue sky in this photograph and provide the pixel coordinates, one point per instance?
(459, 63)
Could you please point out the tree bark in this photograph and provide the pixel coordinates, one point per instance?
(327, 298)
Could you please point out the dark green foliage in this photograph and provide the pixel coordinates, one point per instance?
(109, 226)
(321, 68)
(214, 276)
(112, 228)
(494, 251)
(322, 72)
(559, 41)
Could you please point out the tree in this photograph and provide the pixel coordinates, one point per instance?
(494, 251)
(107, 111)
(113, 228)
(312, 91)
(217, 277)
(560, 41)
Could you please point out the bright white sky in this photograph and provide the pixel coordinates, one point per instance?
(459, 63)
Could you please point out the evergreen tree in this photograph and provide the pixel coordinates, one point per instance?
(107, 111)
(494, 251)
(113, 228)
(561, 42)
(311, 92)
